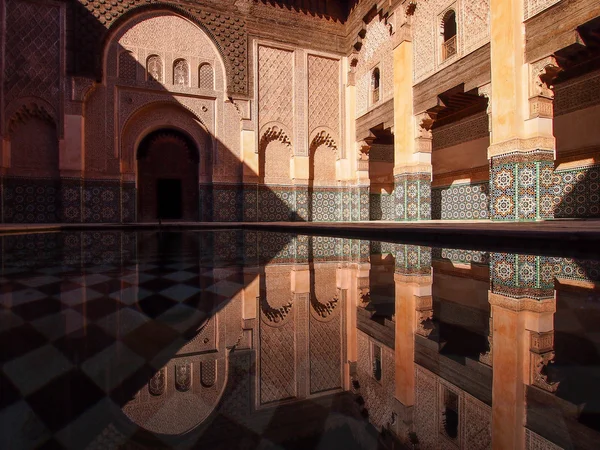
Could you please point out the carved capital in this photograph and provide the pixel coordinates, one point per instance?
(542, 75)
(81, 87)
(542, 354)
(424, 123)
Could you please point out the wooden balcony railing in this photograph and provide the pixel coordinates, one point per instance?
(449, 48)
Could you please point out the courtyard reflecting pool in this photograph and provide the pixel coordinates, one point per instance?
(245, 340)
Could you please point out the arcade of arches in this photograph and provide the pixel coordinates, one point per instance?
(262, 110)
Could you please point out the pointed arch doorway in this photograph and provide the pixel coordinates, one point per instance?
(167, 177)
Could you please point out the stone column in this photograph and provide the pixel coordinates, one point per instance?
(412, 150)
(522, 148)
(72, 150)
(523, 304)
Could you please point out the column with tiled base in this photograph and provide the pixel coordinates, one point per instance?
(412, 139)
(522, 145)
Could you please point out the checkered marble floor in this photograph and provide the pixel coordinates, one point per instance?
(76, 342)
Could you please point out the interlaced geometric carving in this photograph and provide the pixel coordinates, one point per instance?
(127, 66)
(533, 7)
(181, 73)
(275, 86)
(91, 20)
(154, 68)
(323, 93)
(32, 51)
(277, 363)
(208, 373)
(325, 353)
(206, 77)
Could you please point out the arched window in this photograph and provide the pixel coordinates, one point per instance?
(376, 361)
(206, 76)
(127, 66)
(450, 417)
(181, 73)
(449, 35)
(154, 68)
(375, 81)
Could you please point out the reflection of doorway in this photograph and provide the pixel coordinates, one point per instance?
(168, 198)
(381, 174)
(167, 177)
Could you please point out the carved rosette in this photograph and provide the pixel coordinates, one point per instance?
(157, 384)
(542, 355)
(543, 73)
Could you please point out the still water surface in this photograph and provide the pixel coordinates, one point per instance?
(247, 340)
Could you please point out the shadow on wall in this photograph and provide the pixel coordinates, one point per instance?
(163, 161)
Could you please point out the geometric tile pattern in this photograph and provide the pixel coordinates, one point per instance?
(460, 202)
(521, 186)
(520, 276)
(382, 206)
(413, 196)
(30, 200)
(101, 201)
(576, 192)
(520, 190)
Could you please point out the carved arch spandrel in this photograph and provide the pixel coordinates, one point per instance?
(159, 115)
(228, 34)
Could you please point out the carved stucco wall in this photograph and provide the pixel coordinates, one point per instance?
(473, 31)
(533, 7)
(109, 109)
(275, 112)
(376, 51)
(474, 416)
(378, 395)
(277, 356)
(92, 19)
(325, 331)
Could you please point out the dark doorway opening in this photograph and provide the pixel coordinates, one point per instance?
(167, 177)
(168, 198)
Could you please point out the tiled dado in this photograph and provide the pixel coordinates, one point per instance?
(227, 202)
(101, 201)
(30, 200)
(576, 192)
(412, 194)
(521, 186)
(466, 201)
(521, 276)
(381, 206)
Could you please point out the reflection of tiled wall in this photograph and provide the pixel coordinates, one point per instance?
(381, 206)
(576, 192)
(29, 200)
(460, 202)
(413, 196)
(521, 186)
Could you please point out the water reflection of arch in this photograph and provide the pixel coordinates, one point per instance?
(180, 401)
